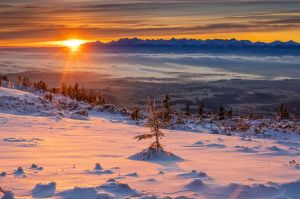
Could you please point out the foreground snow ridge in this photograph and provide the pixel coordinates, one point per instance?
(110, 190)
(113, 189)
(55, 156)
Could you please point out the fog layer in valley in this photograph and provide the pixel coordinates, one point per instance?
(238, 81)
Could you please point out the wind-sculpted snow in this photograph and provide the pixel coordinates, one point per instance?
(110, 190)
(24, 142)
(6, 92)
(44, 190)
(7, 194)
(113, 189)
(240, 191)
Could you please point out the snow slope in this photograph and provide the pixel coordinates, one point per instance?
(15, 93)
(25, 103)
(212, 166)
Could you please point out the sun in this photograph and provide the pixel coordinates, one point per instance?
(73, 44)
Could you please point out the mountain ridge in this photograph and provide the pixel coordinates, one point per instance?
(195, 46)
(194, 42)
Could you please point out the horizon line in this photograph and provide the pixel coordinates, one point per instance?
(53, 44)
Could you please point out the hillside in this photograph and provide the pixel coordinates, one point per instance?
(46, 152)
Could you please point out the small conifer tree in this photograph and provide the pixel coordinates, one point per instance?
(40, 85)
(230, 113)
(19, 80)
(187, 110)
(99, 98)
(76, 94)
(283, 112)
(70, 92)
(166, 109)
(154, 124)
(63, 89)
(26, 82)
(135, 113)
(201, 110)
(221, 112)
(5, 78)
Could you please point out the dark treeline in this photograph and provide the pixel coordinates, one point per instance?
(221, 113)
(72, 91)
(96, 98)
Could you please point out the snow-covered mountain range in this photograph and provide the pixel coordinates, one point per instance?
(195, 45)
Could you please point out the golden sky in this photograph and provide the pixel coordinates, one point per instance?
(41, 22)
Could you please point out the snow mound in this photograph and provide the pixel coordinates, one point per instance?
(7, 92)
(213, 145)
(7, 194)
(275, 148)
(198, 143)
(119, 190)
(99, 170)
(98, 167)
(153, 197)
(135, 174)
(3, 174)
(292, 163)
(240, 191)
(86, 193)
(155, 155)
(221, 146)
(36, 167)
(19, 172)
(151, 180)
(12, 139)
(244, 149)
(79, 115)
(110, 190)
(196, 185)
(44, 190)
(31, 142)
(291, 189)
(193, 174)
(250, 192)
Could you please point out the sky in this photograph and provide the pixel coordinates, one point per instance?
(42, 22)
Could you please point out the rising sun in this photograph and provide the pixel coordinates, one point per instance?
(73, 44)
